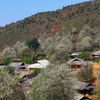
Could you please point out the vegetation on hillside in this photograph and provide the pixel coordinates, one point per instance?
(73, 16)
(77, 30)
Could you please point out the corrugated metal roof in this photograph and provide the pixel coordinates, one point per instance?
(39, 64)
(81, 85)
(76, 53)
(79, 96)
(76, 61)
(15, 64)
(97, 53)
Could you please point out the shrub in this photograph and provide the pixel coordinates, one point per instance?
(6, 61)
(36, 71)
(9, 69)
(85, 55)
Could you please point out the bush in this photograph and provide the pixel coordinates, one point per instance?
(27, 60)
(9, 69)
(6, 61)
(85, 55)
(36, 71)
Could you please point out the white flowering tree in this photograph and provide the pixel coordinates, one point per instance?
(85, 44)
(62, 52)
(9, 53)
(20, 48)
(53, 83)
(9, 90)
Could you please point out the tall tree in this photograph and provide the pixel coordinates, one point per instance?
(53, 83)
(33, 44)
(9, 90)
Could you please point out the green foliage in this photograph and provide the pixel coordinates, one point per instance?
(85, 55)
(36, 71)
(98, 94)
(27, 58)
(9, 69)
(33, 44)
(6, 61)
(34, 58)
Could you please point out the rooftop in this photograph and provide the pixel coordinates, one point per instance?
(39, 64)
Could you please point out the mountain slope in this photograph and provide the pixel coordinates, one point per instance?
(75, 15)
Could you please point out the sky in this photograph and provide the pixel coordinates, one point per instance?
(14, 10)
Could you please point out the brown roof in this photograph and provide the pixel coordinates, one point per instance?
(82, 85)
(96, 53)
(75, 61)
(16, 60)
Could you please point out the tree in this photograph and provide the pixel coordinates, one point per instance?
(53, 83)
(62, 52)
(86, 31)
(85, 44)
(97, 42)
(9, 53)
(27, 58)
(9, 90)
(85, 74)
(20, 48)
(33, 44)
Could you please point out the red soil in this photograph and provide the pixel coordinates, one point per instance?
(96, 66)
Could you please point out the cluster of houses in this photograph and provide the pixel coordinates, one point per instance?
(25, 70)
(84, 90)
(76, 63)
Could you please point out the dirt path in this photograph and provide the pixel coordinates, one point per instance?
(96, 66)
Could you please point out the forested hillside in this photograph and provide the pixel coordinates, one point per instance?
(71, 19)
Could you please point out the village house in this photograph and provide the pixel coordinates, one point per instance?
(18, 67)
(26, 81)
(39, 64)
(84, 88)
(96, 54)
(75, 54)
(75, 63)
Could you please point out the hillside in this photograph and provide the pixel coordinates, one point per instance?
(76, 15)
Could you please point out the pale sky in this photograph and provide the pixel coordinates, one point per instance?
(14, 10)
